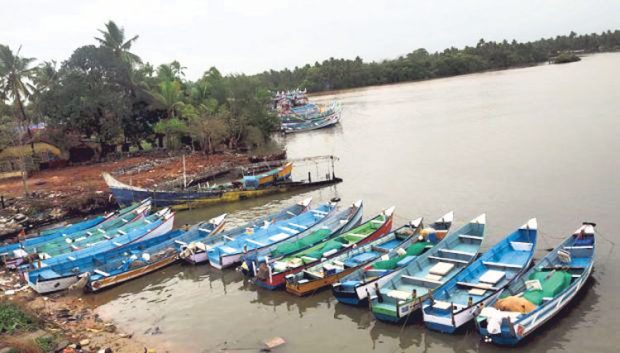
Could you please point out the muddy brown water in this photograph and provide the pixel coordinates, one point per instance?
(540, 141)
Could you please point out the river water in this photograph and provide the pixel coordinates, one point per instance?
(540, 141)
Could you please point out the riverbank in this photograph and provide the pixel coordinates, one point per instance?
(34, 323)
(78, 191)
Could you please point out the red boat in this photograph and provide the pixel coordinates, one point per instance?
(273, 275)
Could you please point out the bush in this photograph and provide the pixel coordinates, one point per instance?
(13, 318)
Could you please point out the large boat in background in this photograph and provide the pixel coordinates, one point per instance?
(276, 180)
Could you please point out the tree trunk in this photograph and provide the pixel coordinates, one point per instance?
(26, 126)
(24, 171)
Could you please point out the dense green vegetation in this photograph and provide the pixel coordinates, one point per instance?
(421, 65)
(564, 58)
(105, 93)
(13, 319)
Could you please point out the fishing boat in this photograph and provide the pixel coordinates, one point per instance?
(196, 251)
(63, 244)
(277, 271)
(231, 252)
(66, 270)
(312, 124)
(394, 299)
(354, 288)
(257, 264)
(162, 225)
(330, 271)
(540, 293)
(246, 188)
(151, 256)
(456, 302)
(103, 222)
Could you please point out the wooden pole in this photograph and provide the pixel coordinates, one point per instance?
(184, 174)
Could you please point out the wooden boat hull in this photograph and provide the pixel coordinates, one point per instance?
(450, 320)
(107, 282)
(360, 295)
(201, 256)
(57, 284)
(313, 286)
(181, 200)
(228, 260)
(278, 280)
(514, 330)
(43, 286)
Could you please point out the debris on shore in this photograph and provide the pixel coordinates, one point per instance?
(78, 191)
(61, 322)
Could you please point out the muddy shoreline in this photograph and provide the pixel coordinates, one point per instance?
(69, 194)
(68, 317)
(74, 192)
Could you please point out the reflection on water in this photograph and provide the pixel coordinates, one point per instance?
(539, 141)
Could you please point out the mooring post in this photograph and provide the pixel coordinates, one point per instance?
(309, 177)
(2, 201)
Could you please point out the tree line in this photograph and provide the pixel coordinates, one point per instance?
(421, 65)
(107, 94)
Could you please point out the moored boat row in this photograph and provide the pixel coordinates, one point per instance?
(415, 272)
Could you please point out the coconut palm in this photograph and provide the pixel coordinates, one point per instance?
(15, 74)
(113, 37)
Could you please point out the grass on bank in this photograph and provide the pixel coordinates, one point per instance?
(14, 320)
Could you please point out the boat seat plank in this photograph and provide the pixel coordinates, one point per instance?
(450, 251)
(579, 247)
(102, 273)
(180, 242)
(472, 237)
(204, 230)
(501, 264)
(445, 259)
(477, 285)
(419, 279)
(255, 242)
(298, 226)
(287, 229)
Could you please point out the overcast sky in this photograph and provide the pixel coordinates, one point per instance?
(255, 35)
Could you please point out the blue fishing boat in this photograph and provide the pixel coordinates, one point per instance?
(329, 271)
(160, 226)
(231, 252)
(196, 252)
(542, 292)
(312, 124)
(63, 244)
(102, 222)
(104, 269)
(259, 263)
(396, 298)
(456, 302)
(273, 274)
(151, 256)
(354, 288)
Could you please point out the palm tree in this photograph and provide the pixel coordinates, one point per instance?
(15, 72)
(168, 97)
(114, 39)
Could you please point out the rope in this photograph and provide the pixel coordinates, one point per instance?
(611, 249)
